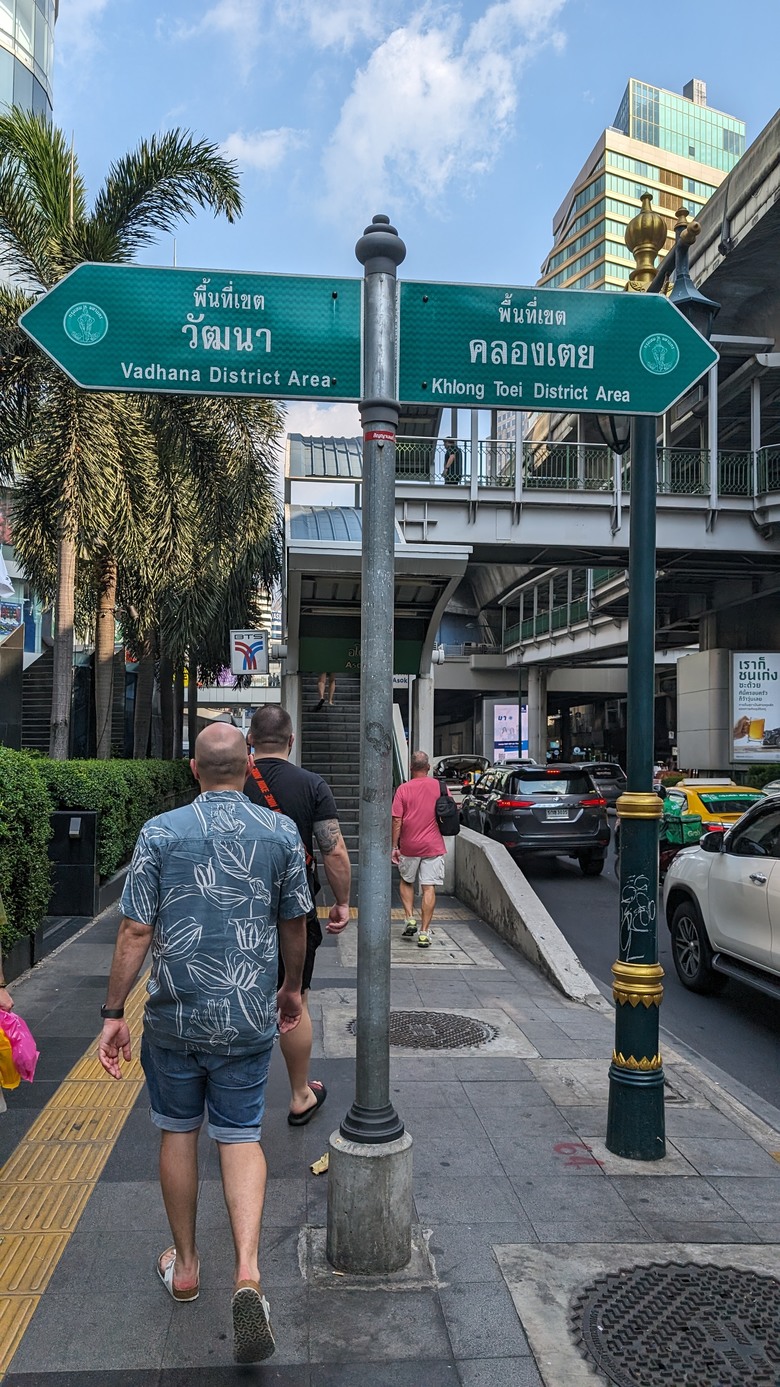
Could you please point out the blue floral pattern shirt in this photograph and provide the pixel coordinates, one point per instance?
(214, 878)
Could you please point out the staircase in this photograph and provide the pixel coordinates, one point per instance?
(331, 746)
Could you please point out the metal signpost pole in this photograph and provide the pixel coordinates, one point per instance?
(369, 1184)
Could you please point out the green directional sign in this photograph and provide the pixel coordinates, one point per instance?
(132, 327)
(490, 347)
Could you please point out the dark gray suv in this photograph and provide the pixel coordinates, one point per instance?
(541, 809)
(609, 778)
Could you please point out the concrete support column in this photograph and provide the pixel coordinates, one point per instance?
(291, 701)
(537, 714)
(422, 714)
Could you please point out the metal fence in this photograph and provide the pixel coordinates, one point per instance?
(550, 466)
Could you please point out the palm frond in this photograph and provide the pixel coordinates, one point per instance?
(164, 180)
(41, 194)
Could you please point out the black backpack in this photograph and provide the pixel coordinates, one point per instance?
(446, 811)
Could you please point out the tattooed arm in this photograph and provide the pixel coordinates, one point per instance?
(335, 860)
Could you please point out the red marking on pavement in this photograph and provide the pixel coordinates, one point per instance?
(579, 1154)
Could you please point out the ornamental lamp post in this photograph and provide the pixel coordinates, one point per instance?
(635, 1118)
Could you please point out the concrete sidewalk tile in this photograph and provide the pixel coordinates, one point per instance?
(682, 1121)
(86, 1329)
(661, 1230)
(204, 1338)
(491, 1201)
(127, 1206)
(552, 1043)
(693, 1199)
(753, 1196)
(729, 1156)
(464, 1251)
(429, 1372)
(572, 1082)
(672, 1164)
(366, 1326)
(558, 1195)
(285, 1204)
(107, 1377)
(482, 1321)
(488, 1070)
(406, 1066)
(273, 1375)
(591, 1230)
(504, 1372)
(767, 1233)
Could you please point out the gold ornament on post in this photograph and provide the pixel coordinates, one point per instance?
(645, 236)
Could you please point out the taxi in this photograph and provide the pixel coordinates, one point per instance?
(719, 803)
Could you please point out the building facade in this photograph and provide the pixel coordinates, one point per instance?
(27, 53)
(676, 147)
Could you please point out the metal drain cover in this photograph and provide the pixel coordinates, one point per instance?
(681, 1325)
(435, 1030)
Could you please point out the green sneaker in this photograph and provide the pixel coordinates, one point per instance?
(410, 928)
(423, 940)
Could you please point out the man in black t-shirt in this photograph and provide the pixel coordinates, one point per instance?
(308, 800)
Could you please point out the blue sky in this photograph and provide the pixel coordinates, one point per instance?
(464, 121)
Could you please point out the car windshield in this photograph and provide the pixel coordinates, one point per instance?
(722, 802)
(552, 784)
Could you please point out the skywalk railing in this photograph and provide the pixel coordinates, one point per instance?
(583, 467)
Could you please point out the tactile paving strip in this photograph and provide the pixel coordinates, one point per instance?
(45, 1184)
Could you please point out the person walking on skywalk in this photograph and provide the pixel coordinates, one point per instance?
(417, 846)
(308, 800)
(216, 888)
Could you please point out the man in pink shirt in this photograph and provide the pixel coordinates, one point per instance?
(418, 847)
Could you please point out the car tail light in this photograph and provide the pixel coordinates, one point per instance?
(514, 804)
(598, 803)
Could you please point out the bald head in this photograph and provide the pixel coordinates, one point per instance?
(419, 763)
(220, 760)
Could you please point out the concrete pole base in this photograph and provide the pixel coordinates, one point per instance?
(369, 1205)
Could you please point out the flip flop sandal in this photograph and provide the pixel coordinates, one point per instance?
(253, 1338)
(299, 1119)
(166, 1276)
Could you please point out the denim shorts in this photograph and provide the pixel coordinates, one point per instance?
(182, 1085)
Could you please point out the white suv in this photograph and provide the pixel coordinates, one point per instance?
(722, 903)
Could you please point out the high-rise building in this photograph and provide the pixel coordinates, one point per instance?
(676, 147)
(27, 53)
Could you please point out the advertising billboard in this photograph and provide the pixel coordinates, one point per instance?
(755, 705)
(510, 732)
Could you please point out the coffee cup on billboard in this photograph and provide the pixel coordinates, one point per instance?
(756, 731)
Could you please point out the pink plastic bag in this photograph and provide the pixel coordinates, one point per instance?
(23, 1047)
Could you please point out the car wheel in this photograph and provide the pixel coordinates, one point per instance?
(691, 951)
(590, 864)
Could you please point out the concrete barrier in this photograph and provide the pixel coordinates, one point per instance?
(492, 885)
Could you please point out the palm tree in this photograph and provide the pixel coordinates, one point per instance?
(77, 458)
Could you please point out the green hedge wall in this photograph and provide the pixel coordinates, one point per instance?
(25, 870)
(126, 793)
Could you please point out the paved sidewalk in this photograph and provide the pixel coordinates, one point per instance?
(520, 1204)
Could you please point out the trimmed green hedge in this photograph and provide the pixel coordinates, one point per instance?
(25, 829)
(126, 793)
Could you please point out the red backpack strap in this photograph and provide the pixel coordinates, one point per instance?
(273, 803)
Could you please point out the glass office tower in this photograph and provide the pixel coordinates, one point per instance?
(676, 147)
(27, 53)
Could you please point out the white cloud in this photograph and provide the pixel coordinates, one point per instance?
(431, 107)
(322, 421)
(340, 24)
(240, 21)
(264, 150)
(76, 36)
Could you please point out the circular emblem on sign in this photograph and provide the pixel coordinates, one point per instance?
(85, 324)
(659, 354)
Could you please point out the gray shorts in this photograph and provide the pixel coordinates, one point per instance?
(429, 869)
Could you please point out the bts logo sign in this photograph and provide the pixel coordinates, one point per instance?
(249, 652)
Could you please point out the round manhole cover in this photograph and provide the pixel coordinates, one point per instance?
(681, 1325)
(435, 1030)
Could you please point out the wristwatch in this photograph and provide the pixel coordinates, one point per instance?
(112, 1013)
